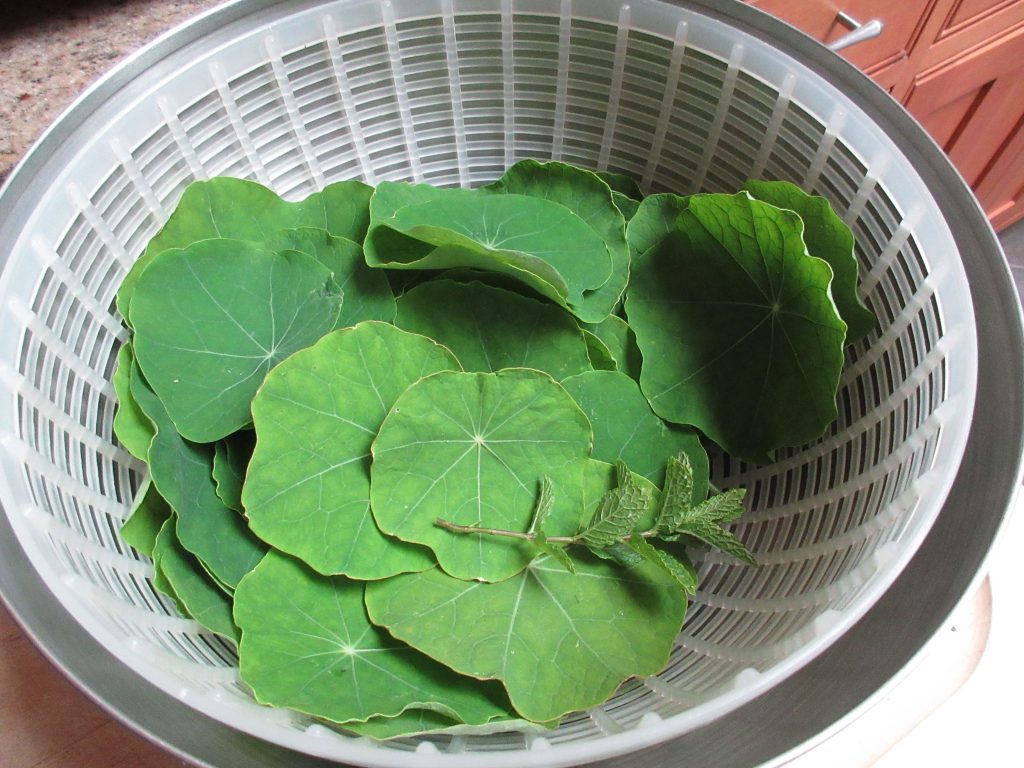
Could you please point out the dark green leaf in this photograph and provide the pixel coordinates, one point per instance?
(148, 514)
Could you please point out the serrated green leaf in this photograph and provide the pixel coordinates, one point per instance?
(556, 551)
(617, 515)
(739, 318)
(619, 552)
(307, 644)
(489, 329)
(704, 522)
(684, 574)
(308, 485)
(677, 495)
(545, 503)
(210, 321)
(828, 238)
(558, 641)
(599, 478)
(479, 443)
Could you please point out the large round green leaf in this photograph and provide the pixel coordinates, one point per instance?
(588, 196)
(211, 319)
(244, 210)
(182, 473)
(626, 428)
(367, 293)
(489, 328)
(307, 644)
(472, 448)
(738, 331)
(307, 489)
(558, 641)
(539, 242)
(828, 238)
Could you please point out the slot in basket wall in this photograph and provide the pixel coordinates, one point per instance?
(301, 94)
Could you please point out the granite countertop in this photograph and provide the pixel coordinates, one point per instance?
(52, 50)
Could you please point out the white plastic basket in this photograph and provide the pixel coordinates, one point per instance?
(451, 92)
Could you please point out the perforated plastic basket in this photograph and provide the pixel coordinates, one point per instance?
(451, 92)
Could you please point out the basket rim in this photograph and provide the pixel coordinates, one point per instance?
(40, 614)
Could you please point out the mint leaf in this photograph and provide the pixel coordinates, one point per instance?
(705, 522)
(617, 514)
(677, 495)
(556, 551)
(684, 573)
(545, 501)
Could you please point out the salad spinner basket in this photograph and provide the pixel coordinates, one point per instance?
(684, 97)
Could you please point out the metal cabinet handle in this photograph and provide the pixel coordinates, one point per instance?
(858, 32)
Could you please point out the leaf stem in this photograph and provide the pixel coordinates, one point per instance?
(531, 536)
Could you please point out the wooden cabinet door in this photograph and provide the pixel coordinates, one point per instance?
(903, 22)
(973, 106)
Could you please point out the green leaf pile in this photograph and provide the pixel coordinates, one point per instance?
(435, 460)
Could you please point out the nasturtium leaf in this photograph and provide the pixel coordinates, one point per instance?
(588, 196)
(160, 581)
(539, 242)
(625, 428)
(182, 472)
(413, 722)
(212, 319)
(244, 210)
(307, 644)
(307, 490)
(828, 238)
(623, 184)
(627, 206)
(558, 641)
(230, 459)
(193, 589)
(601, 358)
(131, 427)
(620, 341)
(738, 331)
(471, 448)
(489, 328)
(367, 293)
(147, 516)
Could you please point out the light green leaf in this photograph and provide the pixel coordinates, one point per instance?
(600, 356)
(558, 641)
(192, 588)
(618, 338)
(626, 429)
(739, 318)
(147, 516)
(212, 319)
(599, 478)
(588, 196)
(677, 495)
(541, 243)
(131, 427)
(470, 448)
(307, 644)
(623, 184)
(160, 581)
(182, 472)
(307, 490)
(705, 522)
(617, 515)
(367, 293)
(244, 210)
(684, 573)
(489, 328)
(828, 238)
(413, 722)
(555, 551)
(230, 460)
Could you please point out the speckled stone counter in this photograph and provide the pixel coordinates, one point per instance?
(52, 50)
